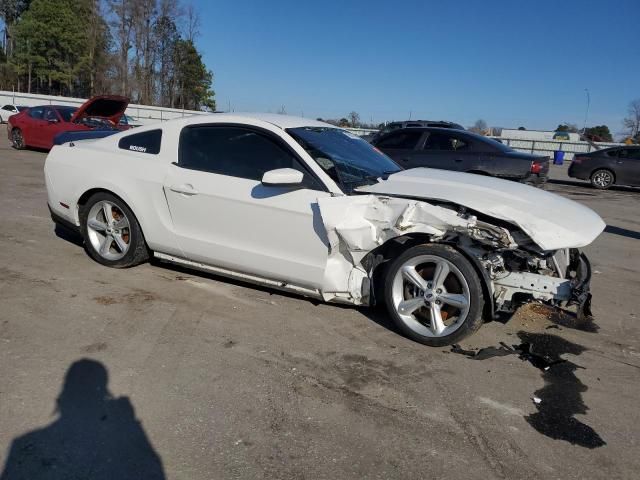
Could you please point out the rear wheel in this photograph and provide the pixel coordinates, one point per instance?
(17, 139)
(434, 295)
(112, 235)
(602, 179)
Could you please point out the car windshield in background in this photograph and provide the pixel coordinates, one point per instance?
(347, 159)
(66, 113)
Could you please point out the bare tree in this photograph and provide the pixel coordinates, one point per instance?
(354, 119)
(479, 127)
(122, 24)
(192, 18)
(632, 122)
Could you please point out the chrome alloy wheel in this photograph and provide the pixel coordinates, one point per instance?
(602, 179)
(431, 296)
(108, 230)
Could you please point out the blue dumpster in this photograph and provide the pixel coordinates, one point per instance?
(558, 157)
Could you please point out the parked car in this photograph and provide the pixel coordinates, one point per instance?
(607, 167)
(390, 127)
(125, 123)
(7, 110)
(299, 205)
(462, 151)
(37, 126)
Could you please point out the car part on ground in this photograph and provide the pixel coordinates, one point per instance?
(607, 167)
(463, 151)
(321, 213)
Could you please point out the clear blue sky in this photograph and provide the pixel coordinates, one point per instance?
(511, 63)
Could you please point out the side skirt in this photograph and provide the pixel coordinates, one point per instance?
(278, 285)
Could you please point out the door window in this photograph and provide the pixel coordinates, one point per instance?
(50, 114)
(36, 112)
(443, 142)
(237, 152)
(630, 153)
(405, 140)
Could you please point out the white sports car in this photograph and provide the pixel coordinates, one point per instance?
(303, 206)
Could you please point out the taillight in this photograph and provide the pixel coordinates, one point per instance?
(577, 159)
(536, 167)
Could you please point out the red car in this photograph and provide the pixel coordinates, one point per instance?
(37, 126)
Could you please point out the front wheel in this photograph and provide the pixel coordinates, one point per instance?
(434, 295)
(112, 235)
(602, 179)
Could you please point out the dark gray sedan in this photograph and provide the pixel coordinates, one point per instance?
(609, 166)
(463, 151)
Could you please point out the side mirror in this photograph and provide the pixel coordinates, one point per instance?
(282, 176)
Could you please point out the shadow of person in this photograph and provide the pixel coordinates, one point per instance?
(95, 436)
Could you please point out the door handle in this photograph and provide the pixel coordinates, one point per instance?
(185, 189)
(458, 160)
(405, 159)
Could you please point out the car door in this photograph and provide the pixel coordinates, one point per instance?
(445, 151)
(53, 125)
(224, 216)
(401, 145)
(627, 168)
(32, 128)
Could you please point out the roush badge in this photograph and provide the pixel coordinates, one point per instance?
(136, 148)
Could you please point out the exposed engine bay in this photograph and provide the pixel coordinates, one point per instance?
(515, 269)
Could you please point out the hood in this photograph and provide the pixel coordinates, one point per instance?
(550, 220)
(111, 107)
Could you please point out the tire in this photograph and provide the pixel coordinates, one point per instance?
(456, 292)
(602, 179)
(17, 139)
(111, 232)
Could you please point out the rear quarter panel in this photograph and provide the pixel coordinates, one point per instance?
(137, 178)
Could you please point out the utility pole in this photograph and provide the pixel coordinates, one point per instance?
(586, 113)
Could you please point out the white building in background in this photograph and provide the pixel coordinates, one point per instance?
(538, 135)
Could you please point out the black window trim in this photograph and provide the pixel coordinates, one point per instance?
(269, 134)
(134, 132)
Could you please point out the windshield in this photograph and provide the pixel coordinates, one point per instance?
(66, 113)
(350, 161)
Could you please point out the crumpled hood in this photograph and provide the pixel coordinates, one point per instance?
(550, 220)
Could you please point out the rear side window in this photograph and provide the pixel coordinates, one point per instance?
(440, 141)
(236, 152)
(406, 140)
(613, 153)
(143, 142)
(36, 112)
(629, 153)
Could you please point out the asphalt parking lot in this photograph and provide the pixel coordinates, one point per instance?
(216, 379)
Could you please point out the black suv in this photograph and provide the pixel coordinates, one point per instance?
(463, 151)
(390, 127)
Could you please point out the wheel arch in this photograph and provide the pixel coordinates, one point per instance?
(84, 198)
(378, 260)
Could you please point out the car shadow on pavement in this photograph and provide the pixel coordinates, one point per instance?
(623, 232)
(95, 436)
(68, 235)
(617, 188)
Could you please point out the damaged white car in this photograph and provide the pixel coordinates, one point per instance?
(303, 206)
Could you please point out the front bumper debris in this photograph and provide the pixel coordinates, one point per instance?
(581, 296)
